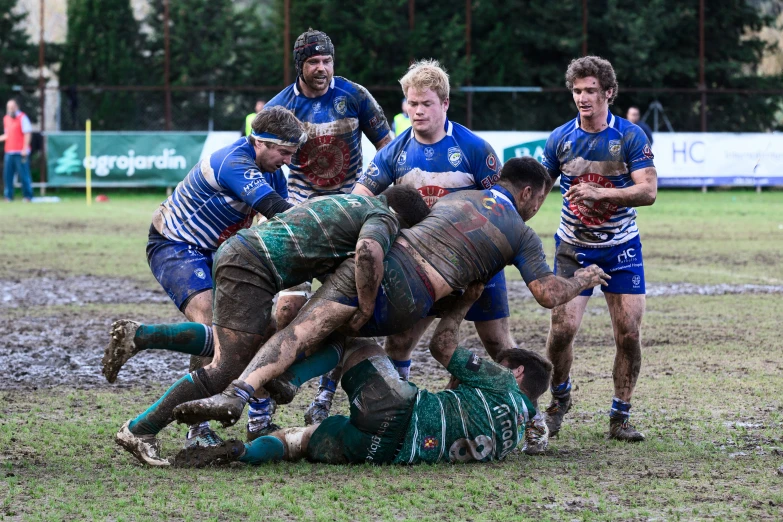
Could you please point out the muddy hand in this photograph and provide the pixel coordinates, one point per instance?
(594, 275)
(473, 292)
(583, 191)
(360, 318)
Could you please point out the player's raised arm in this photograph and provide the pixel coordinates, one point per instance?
(552, 290)
(444, 340)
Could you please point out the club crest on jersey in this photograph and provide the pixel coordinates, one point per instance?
(614, 148)
(588, 211)
(317, 107)
(431, 194)
(492, 162)
(429, 443)
(647, 151)
(402, 157)
(429, 152)
(340, 104)
(455, 156)
(200, 273)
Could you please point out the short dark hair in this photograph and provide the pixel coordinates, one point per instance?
(526, 171)
(538, 371)
(279, 121)
(596, 67)
(407, 203)
(633, 107)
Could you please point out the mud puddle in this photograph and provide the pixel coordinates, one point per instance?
(518, 289)
(51, 290)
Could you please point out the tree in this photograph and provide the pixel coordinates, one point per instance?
(16, 54)
(103, 47)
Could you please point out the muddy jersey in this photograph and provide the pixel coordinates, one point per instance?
(313, 238)
(606, 159)
(460, 161)
(217, 197)
(473, 234)
(483, 419)
(331, 159)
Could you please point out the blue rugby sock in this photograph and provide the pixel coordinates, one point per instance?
(403, 368)
(190, 338)
(263, 449)
(620, 409)
(562, 390)
(321, 362)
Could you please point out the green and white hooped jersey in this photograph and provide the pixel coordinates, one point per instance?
(482, 420)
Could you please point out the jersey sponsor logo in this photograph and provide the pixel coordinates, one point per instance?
(429, 153)
(492, 162)
(593, 236)
(325, 160)
(401, 159)
(465, 450)
(432, 194)
(636, 280)
(375, 122)
(250, 187)
(490, 181)
(340, 104)
(588, 211)
(317, 107)
(592, 143)
(253, 174)
(626, 255)
(614, 148)
(474, 363)
(506, 421)
(429, 443)
(372, 170)
(200, 273)
(455, 156)
(647, 152)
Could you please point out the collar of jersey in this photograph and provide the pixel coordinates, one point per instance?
(447, 126)
(609, 120)
(296, 88)
(505, 194)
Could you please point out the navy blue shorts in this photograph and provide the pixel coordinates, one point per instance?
(183, 270)
(493, 302)
(623, 262)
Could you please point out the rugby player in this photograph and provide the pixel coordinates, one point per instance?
(335, 112)
(392, 421)
(250, 267)
(606, 169)
(437, 157)
(220, 195)
(468, 236)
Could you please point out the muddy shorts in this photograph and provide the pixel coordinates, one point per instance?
(381, 409)
(623, 262)
(405, 295)
(243, 288)
(182, 269)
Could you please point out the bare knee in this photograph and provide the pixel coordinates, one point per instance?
(199, 308)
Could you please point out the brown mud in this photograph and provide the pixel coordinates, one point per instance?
(44, 345)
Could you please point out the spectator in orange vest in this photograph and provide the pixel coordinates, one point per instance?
(16, 135)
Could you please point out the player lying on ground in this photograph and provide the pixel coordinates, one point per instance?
(251, 267)
(392, 421)
(468, 236)
(220, 195)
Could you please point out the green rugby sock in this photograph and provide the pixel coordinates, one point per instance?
(263, 449)
(321, 362)
(159, 415)
(190, 338)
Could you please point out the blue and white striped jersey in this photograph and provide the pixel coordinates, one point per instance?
(217, 197)
(331, 159)
(460, 161)
(605, 158)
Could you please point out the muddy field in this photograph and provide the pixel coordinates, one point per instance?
(54, 328)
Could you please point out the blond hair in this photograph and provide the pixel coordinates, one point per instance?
(426, 74)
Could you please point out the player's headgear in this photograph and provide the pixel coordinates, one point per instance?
(311, 43)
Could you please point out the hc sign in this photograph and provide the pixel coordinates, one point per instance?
(627, 255)
(693, 152)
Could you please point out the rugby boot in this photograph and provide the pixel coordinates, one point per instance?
(317, 412)
(120, 348)
(621, 429)
(225, 407)
(281, 389)
(536, 436)
(202, 435)
(259, 418)
(146, 448)
(200, 456)
(555, 412)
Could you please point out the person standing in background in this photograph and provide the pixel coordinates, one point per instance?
(17, 132)
(634, 116)
(250, 117)
(401, 121)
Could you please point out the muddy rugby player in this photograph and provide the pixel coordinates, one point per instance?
(392, 421)
(606, 169)
(252, 266)
(469, 236)
(221, 194)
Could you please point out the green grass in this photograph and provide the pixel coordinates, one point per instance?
(709, 362)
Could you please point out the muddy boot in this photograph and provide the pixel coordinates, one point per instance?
(202, 435)
(259, 418)
(317, 412)
(200, 456)
(281, 389)
(555, 412)
(225, 407)
(536, 436)
(146, 448)
(120, 348)
(621, 429)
